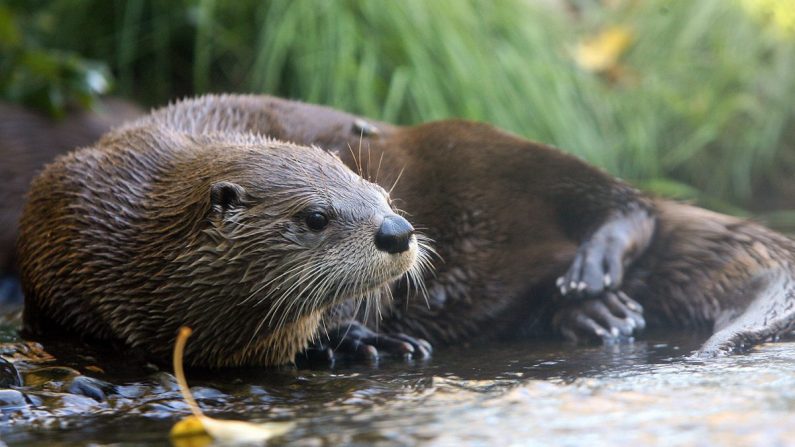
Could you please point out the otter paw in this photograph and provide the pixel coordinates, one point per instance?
(611, 317)
(600, 260)
(598, 266)
(357, 341)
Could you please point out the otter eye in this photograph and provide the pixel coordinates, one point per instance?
(316, 221)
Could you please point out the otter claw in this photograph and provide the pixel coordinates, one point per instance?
(611, 317)
(600, 260)
(356, 341)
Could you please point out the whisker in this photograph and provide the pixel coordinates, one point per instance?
(380, 159)
(355, 161)
(350, 323)
(400, 174)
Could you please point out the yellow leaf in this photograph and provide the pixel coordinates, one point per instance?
(240, 432)
(189, 432)
(778, 14)
(199, 430)
(602, 52)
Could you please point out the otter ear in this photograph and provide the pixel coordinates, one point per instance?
(225, 196)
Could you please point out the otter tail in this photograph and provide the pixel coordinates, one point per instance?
(768, 317)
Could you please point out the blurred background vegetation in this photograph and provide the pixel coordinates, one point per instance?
(690, 99)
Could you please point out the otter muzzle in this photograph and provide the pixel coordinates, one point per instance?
(394, 234)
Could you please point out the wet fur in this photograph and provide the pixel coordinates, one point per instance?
(508, 215)
(733, 277)
(128, 241)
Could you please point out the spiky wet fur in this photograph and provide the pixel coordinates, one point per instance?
(123, 241)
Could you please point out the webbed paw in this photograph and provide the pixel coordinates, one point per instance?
(598, 266)
(356, 341)
(600, 260)
(610, 317)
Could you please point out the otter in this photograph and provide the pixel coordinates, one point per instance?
(533, 241)
(28, 140)
(245, 239)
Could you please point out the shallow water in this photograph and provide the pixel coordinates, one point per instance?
(529, 393)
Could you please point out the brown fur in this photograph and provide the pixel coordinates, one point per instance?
(158, 226)
(730, 276)
(508, 215)
(28, 140)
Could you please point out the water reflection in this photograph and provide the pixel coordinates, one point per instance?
(529, 393)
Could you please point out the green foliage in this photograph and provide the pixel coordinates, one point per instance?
(47, 79)
(699, 106)
(712, 96)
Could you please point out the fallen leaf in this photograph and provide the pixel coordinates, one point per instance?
(199, 430)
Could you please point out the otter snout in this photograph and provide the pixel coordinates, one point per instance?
(394, 234)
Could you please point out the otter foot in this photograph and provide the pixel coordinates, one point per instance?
(600, 260)
(356, 341)
(611, 317)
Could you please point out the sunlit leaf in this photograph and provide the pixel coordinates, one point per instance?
(779, 14)
(200, 430)
(603, 51)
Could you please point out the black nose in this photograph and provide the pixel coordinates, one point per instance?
(394, 234)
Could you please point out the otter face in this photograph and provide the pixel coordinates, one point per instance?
(310, 233)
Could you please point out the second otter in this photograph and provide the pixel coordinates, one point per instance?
(536, 241)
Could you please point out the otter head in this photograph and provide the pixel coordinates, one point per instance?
(290, 230)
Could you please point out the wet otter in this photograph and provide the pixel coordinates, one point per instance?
(28, 140)
(534, 240)
(245, 239)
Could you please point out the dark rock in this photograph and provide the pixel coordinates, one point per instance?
(91, 387)
(9, 376)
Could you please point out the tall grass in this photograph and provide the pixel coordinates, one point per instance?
(703, 109)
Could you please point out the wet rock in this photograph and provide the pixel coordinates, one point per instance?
(29, 352)
(90, 387)
(9, 376)
(53, 375)
(68, 404)
(10, 292)
(12, 400)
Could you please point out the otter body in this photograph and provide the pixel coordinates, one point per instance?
(535, 241)
(531, 240)
(245, 239)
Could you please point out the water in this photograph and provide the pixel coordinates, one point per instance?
(524, 393)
